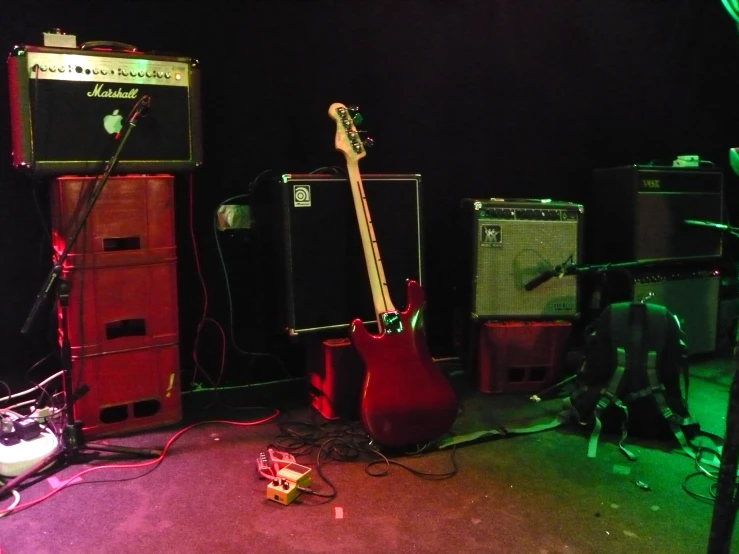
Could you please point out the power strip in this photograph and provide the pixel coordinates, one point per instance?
(17, 458)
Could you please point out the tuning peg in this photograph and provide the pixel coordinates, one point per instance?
(368, 142)
(355, 115)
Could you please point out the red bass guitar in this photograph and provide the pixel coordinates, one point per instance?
(406, 399)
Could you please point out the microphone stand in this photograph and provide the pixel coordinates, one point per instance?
(72, 443)
(576, 269)
(712, 225)
(725, 503)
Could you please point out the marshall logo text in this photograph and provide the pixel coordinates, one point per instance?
(99, 92)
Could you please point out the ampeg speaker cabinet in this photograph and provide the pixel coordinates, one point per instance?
(67, 105)
(692, 295)
(648, 213)
(319, 260)
(507, 243)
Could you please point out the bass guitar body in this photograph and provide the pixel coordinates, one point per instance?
(406, 398)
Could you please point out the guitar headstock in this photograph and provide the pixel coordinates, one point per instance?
(347, 139)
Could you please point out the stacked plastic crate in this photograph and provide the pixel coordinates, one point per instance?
(122, 314)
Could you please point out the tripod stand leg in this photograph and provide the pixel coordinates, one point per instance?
(140, 452)
(74, 441)
(724, 509)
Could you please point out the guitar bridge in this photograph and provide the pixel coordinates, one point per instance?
(391, 322)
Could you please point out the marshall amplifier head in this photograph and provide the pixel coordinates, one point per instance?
(67, 105)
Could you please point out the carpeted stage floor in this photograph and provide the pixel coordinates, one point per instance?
(524, 494)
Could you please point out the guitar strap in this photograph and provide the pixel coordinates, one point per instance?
(501, 432)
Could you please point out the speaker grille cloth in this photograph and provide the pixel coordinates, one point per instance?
(661, 233)
(511, 253)
(695, 303)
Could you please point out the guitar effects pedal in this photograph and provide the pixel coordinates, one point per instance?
(296, 473)
(272, 461)
(282, 491)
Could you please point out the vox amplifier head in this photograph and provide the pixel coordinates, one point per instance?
(642, 213)
(67, 106)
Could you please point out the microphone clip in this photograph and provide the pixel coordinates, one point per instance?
(140, 110)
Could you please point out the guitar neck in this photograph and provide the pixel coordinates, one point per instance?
(375, 271)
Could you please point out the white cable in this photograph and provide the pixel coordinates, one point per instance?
(25, 403)
(10, 508)
(29, 391)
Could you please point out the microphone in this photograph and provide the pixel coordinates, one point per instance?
(141, 109)
(145, 104)
(542, 278)
(699, 223)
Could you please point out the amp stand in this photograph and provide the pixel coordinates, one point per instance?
(72, 445)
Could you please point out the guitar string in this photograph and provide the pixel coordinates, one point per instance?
(386, 302)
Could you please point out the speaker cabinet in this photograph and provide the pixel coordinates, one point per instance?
(320, 275)
(638, 213)
(507, 243)
(692, 295)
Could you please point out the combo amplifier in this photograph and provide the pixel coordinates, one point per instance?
(692, 295)
(639, 214)
(309, 233)
(506, 244)
(68, 104)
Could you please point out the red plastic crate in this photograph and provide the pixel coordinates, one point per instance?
(336, 379)
(129, 391)
(132, 221)
(520, 356)
(120, 308)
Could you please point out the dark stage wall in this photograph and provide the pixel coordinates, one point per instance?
(501, 98)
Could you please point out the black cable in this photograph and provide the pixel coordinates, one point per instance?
(418, 473)
(706, 498)
(343, 441)
(253, 356)
(227, 282)
(333, 169)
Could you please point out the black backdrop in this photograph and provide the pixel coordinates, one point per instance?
(498, 98)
